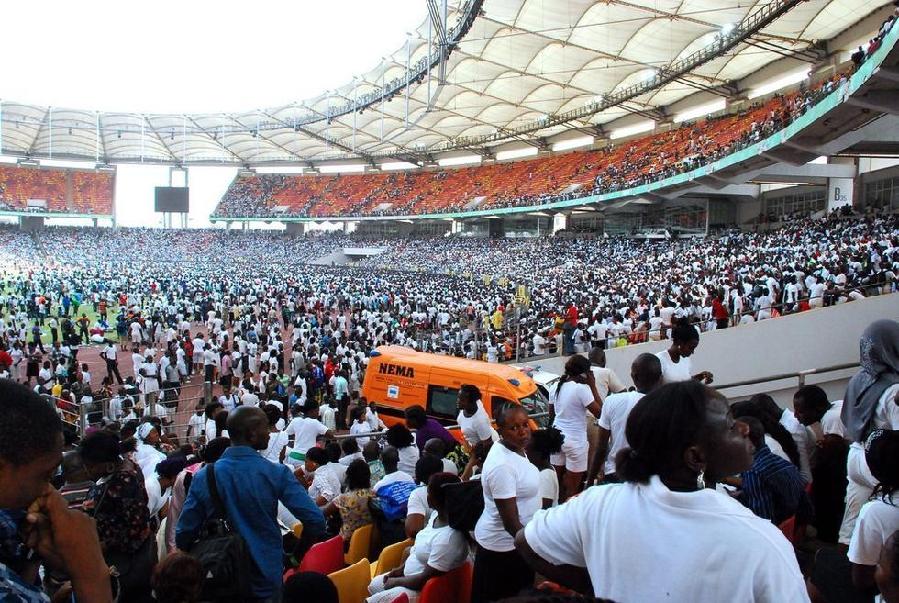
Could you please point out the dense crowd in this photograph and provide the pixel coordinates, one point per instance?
(684, 496)
(481, 298)
(522, 183)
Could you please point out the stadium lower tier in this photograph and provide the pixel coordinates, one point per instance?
(621, 288)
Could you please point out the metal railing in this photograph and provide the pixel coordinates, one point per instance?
(800, 375)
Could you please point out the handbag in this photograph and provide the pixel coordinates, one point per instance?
(223, 553)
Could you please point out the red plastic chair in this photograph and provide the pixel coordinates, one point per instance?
(324, 557)
(452, 587)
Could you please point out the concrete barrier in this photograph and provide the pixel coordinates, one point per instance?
(811, 340)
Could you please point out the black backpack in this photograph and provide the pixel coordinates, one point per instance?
(464, 503)
(223, 554)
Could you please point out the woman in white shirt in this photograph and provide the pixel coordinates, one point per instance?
(402, 439)
(438, 549)
(511, 497)
(676, 365)
(147, 455)
(575, 394)
(870, 403)
(545, 443)
(418, 511)
(473, 419)
(277, 438)
(839, 575)
(668, 515)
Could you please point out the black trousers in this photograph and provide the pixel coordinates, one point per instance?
(112, 369)
(340, 417)
(499, 575)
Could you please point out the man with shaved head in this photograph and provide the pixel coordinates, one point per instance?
(646, 372)
(250, 488)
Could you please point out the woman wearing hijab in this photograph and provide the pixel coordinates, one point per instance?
(147, 456)
(870, 403)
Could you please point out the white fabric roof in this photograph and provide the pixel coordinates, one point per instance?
(521, 60)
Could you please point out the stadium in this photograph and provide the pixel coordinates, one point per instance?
(556, 300)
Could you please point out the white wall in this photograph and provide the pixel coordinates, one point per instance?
(811, 340)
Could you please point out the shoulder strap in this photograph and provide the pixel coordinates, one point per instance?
(214, 493)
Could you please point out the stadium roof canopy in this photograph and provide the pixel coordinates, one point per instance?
(479, 74)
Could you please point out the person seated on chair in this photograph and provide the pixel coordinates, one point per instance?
(438, 549)
(352, 505)
(418, 510)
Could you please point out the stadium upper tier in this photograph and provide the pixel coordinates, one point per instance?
(520, 183)
(56, 191)
(477, 74)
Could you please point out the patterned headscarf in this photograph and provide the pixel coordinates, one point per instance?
(879, 359)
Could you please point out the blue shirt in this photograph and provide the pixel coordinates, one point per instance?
(773, 487)
(250, 488)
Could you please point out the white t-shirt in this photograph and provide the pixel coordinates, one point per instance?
(876, 522)
(409, 456)
(775, 447)
(443, 549)
(804, 442)
(739, 557)
(672, 372)
(305, 431)
(390, 478)
(831, 421)
(570, 401)
(360, 428)
(613, 418)
(475, 428)
(549, 486)
(325, 483)
(505, 475)
(156, 498)
(276, 442)
(195, 423)
(606, 381)
(418, 503)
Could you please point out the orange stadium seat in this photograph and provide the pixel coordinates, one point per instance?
(527, 182)
(65, 191)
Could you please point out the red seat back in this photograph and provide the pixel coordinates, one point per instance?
(324, 557)
(452, 587)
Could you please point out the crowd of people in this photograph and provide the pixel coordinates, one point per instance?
(523, 183)
(491, 299)
(685, 496)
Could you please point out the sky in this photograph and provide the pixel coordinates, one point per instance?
(191, 56)
(171, 56)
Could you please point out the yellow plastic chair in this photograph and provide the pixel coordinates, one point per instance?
(390, 557)
(360, 544)
(352, 582)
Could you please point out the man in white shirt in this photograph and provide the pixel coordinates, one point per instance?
(813, 410)
(539, 344)
(646, 372)
(229, 399)
(607, 382)
(109, 354)
(302, 432)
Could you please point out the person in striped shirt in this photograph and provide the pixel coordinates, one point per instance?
(772, 488)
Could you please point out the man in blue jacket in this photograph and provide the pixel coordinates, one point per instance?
(250, 488)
